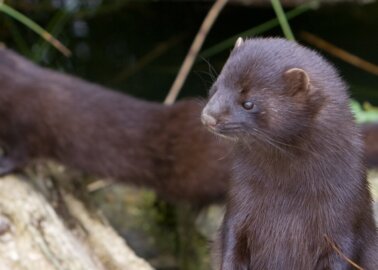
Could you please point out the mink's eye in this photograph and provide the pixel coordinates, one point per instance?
(248, 105)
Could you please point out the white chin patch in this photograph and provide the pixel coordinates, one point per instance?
(230, 138)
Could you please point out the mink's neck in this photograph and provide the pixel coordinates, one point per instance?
(323, 154)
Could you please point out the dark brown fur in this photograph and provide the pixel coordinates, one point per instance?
(370, 136)
(298, 173)
(44, 114)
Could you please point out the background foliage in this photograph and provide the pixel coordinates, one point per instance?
(138, 46)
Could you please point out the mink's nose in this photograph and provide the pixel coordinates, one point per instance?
(208, 120)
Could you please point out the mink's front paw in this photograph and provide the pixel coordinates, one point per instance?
(7, 165)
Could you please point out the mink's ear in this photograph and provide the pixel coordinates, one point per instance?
(297, 81)
(238, 42)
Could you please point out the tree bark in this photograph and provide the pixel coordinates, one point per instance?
(34, 236)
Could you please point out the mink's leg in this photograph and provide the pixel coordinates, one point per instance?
(11, 161)
(234, 251)
(7, 165)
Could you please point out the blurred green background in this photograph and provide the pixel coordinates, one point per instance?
(138, 46)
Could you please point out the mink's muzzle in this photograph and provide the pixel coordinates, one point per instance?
(219, 128)
(208, 120)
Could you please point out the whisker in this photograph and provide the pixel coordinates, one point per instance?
(294, 146)
(212, 72)
(284, 144)
(206, 82)
(265, 138)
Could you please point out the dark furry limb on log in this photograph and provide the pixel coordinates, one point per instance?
(49, 115)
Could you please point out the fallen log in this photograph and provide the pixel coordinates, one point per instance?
(34, 236)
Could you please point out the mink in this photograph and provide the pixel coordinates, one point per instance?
(298, 192)
(48, 115)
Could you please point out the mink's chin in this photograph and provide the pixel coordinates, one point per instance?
(227, 136)
(222, 133)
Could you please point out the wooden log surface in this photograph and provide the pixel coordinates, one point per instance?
(34, 236)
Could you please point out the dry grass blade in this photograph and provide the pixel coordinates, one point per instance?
(193, 51)
(341, 254)
(340, 53)
(97, 185)
(35, 27)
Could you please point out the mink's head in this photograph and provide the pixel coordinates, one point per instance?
(270, 90)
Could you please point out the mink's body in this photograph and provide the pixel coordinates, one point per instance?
(298, 178)
(370, 136)
(44, 114)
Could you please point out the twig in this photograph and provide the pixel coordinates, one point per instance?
(193, 51)
(341, 254)
(97, 185)
(340, 53)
